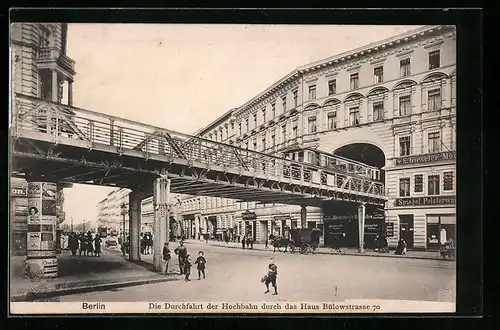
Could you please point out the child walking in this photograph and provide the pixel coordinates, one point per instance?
(187, 267)
(201, 262)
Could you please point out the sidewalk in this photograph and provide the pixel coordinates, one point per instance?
(82, 274)
(432, 255)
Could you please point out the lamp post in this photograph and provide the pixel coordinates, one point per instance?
(124, 212)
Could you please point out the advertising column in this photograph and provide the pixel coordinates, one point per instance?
(41, 258)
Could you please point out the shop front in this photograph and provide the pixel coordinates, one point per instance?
(250, 220)
(441, 228)
(342, 229)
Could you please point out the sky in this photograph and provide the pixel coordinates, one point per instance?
(183, 77)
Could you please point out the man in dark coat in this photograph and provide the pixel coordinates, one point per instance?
(166, 257)
(181, 253)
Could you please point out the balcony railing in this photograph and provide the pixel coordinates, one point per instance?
(54, 55)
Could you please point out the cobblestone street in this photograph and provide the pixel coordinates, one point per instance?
(234, 276)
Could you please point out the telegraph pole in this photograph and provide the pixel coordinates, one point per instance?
(71, 224)
(84, 225)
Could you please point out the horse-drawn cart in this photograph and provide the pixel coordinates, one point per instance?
(304, 240)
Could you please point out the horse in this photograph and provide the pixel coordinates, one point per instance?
(279, 242)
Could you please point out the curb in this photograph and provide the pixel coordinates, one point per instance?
(387, 255)
(31, 296)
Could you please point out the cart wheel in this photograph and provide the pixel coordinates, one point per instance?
(291, 248)
(305, 248)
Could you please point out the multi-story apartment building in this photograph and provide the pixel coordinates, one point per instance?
(39, 67)
(390, 105)
(109, 212)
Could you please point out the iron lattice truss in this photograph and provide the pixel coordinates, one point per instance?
(75, 145)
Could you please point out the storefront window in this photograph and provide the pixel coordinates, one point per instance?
(440, 229)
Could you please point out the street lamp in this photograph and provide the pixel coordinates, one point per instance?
(124, 212)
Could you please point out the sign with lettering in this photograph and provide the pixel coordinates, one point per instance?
(282, 217)
(426, 158)
(19, 192)
(389, 229)
(248, 215)
(418, 201)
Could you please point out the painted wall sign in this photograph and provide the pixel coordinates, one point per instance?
(427, 158)
(434, 200)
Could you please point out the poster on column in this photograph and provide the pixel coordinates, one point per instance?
(34, 202)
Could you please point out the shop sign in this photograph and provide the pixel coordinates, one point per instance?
(389, 229)
(248, 215)
(427, 158)
(417, 201)
(282, 217)
(19, 192)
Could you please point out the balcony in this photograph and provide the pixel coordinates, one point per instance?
(50, 56)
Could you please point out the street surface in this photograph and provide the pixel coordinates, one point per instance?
(234, 276)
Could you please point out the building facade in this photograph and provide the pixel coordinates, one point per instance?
(390, 105)
(39, 67)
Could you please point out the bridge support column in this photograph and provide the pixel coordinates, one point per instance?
(41, 260)
(134, 203)
(197, 227)
(303, 216)
(361, 227)
(161, 191)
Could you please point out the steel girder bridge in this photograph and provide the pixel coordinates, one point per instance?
(66, 144)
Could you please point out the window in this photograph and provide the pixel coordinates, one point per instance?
(448, 181)
(434, 59)
(434, 142)
(313, 158)
(404, 66)
(263, 115)
(263, 143)
(227, 132)
(419, 183)
(354, 80)
(354, 116)
(295, 128)
(44, 36)
(283, 99)
(295, 98)
(433, 184)
(378, 74)
(312, 92)
(332, 87)
(273, 139)
(378, 111)
(273, 109)
(239, 127)
(255, 120)
(332, 120)
(404, 187)
(254, 145)
(312, 124)
(404, 105)
(247, 125)
(434, 99)
(404, 146)
(283, 132)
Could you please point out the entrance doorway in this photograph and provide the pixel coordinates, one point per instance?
(406, 229)
(264, 233)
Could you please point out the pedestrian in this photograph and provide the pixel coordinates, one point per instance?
(181, 253)
(90, 246)
(243, 242)
(270, 278)
(201, 262)
(166, 257)
(187, 267)
(83, 245)
(97, 245)
(73, 243)
(267, 243)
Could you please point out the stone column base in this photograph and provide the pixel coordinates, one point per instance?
(41, 268)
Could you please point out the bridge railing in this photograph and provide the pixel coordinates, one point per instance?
(92, 127)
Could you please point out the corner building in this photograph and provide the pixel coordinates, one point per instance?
(390, 105)
(40, 68)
